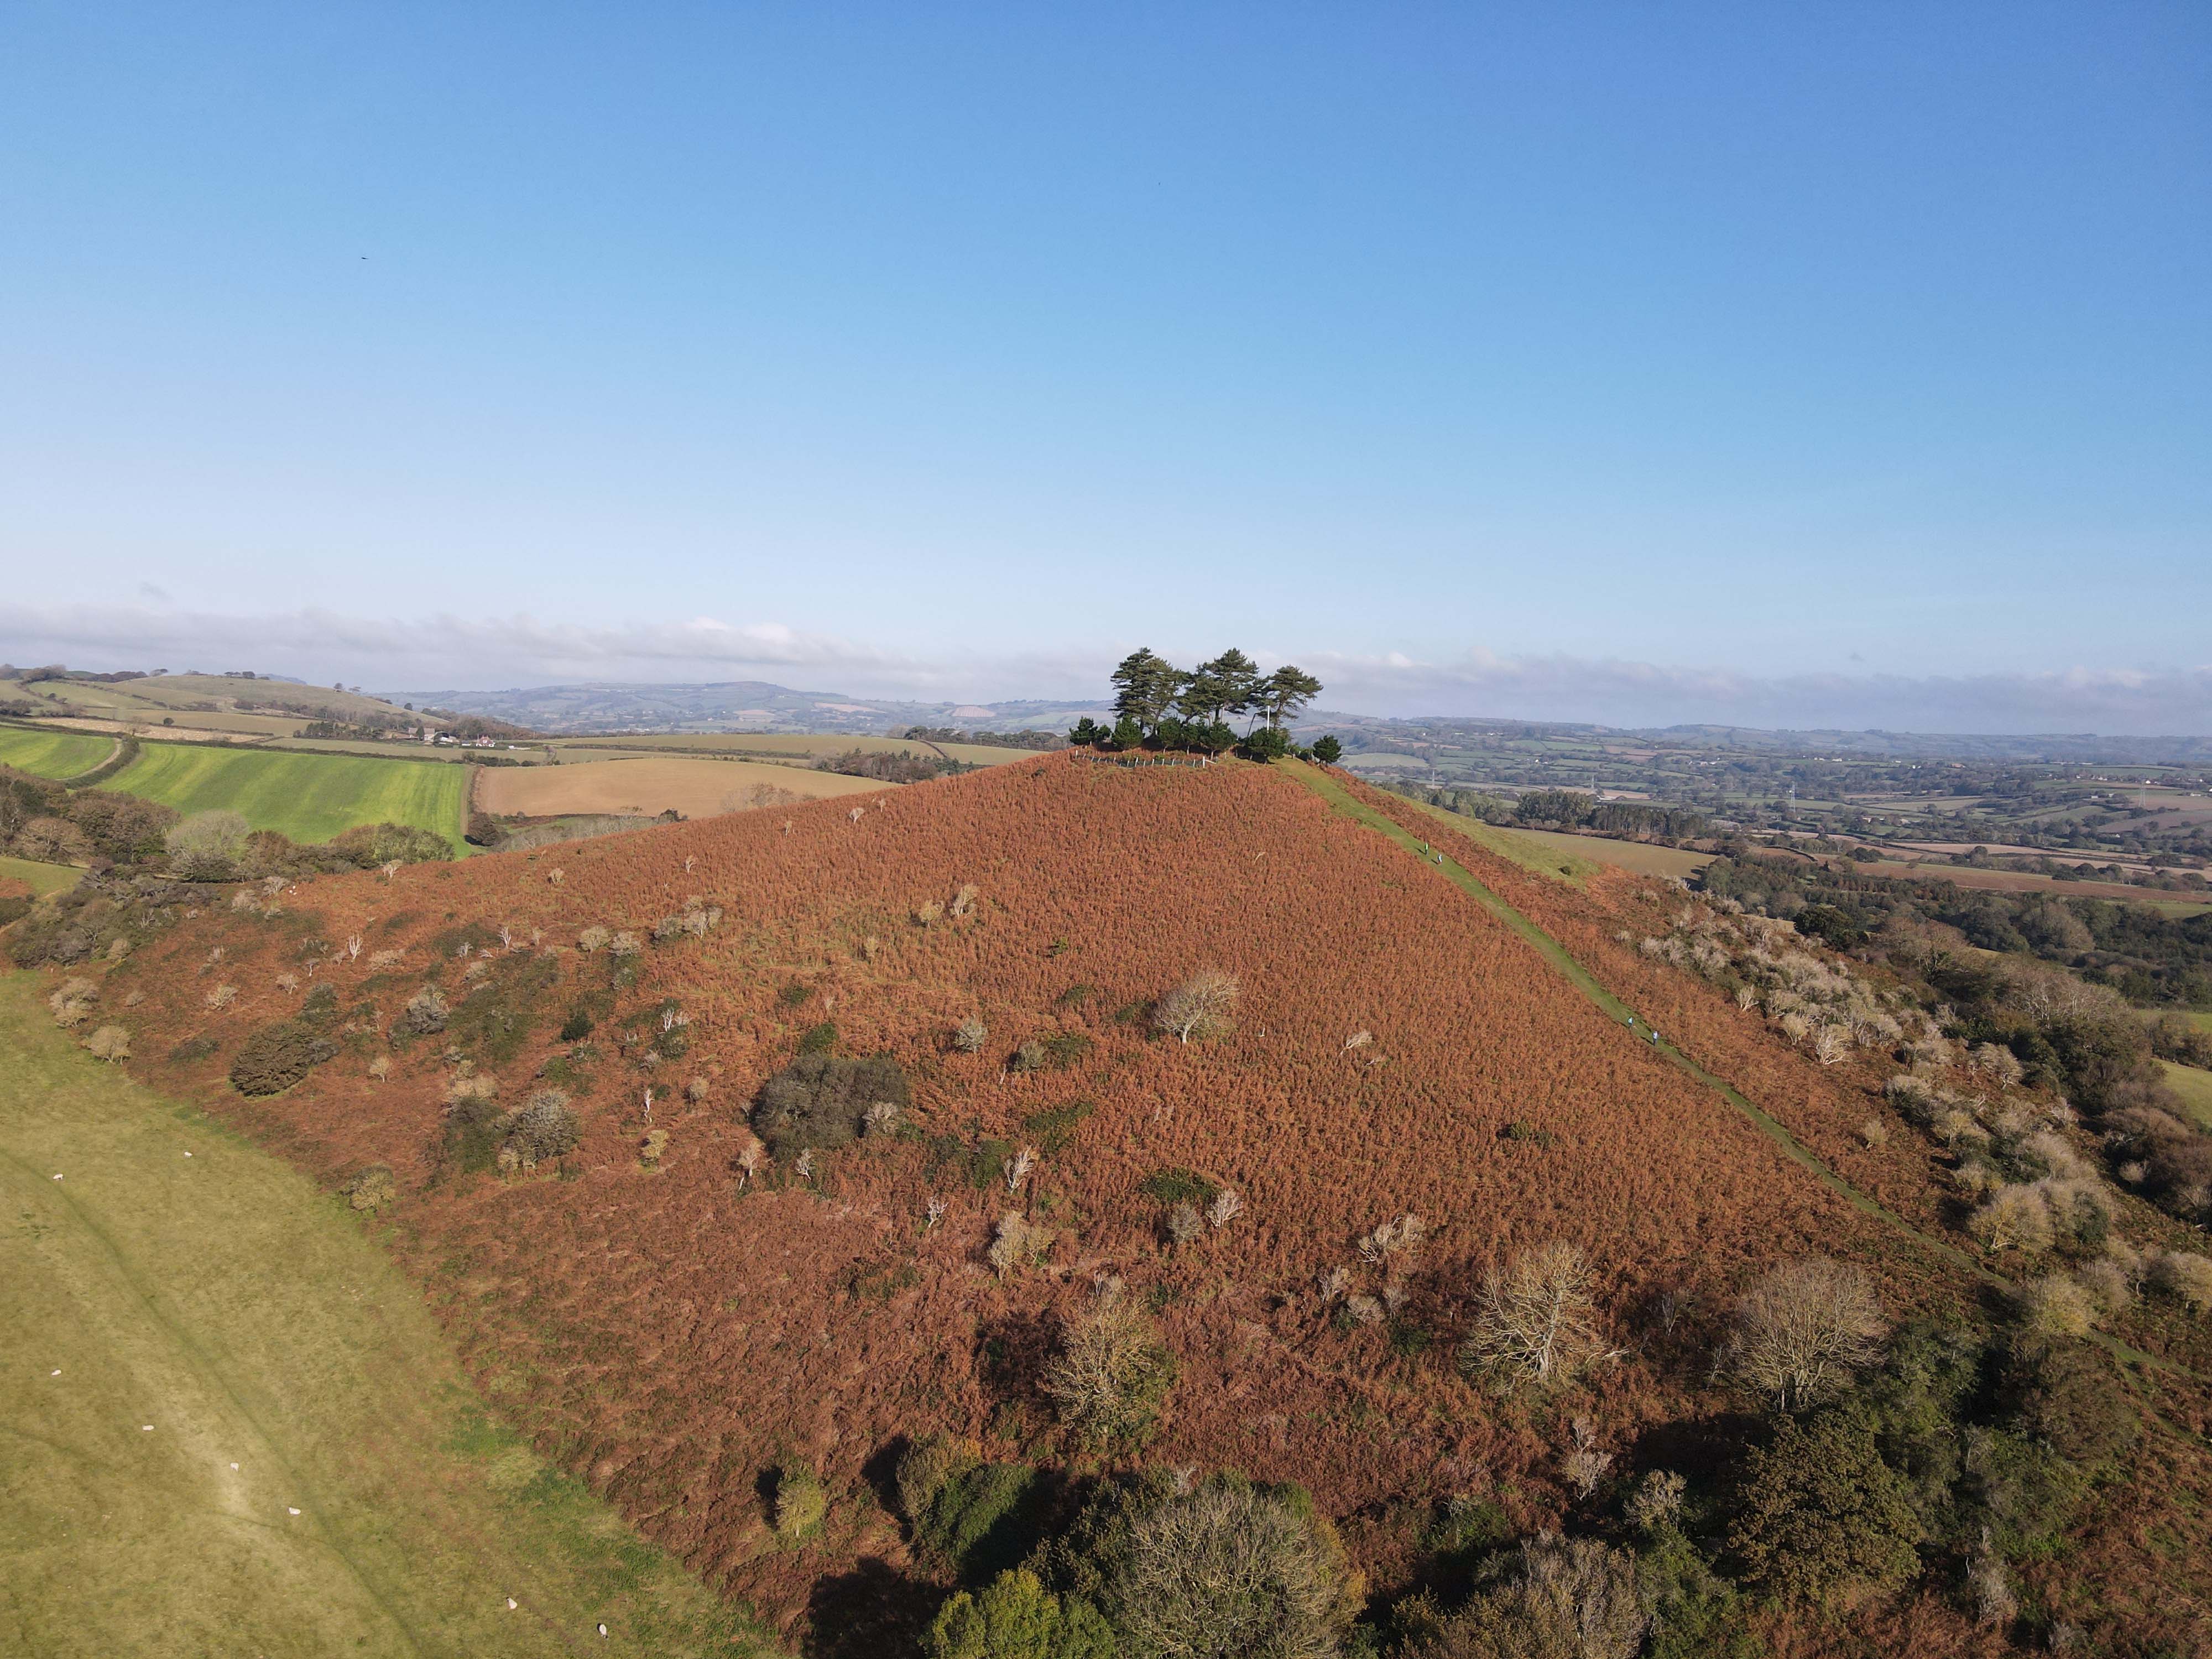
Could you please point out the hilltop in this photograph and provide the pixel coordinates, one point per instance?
(677, 1317)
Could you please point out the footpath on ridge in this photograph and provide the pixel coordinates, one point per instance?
(1439, 862)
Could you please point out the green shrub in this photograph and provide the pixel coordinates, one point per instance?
(1051, 1130)
(2070, 1397)
(425, 1014)
(923, 1470)
(1018, 1618)
(985, 1519)
(367, 846)
(818, 1039)
(2020, 1492)
(545, 1128)
(495, 1018)
(277, 1056)
(470, 1135)
(821, 1100)
(200, 1047)
(800, 1502)
(1818, 1511)
(1176, 1186)
(578, 1025)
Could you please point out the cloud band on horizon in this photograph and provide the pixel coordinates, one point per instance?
(483, 652)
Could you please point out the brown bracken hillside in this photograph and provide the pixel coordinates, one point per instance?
(671, 1322)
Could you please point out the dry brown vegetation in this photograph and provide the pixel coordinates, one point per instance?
(673, 1328)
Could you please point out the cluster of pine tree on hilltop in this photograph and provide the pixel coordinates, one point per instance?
(1159, 705)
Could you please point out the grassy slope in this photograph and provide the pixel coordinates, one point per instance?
(41, 879)
(1641, 857)
(52, 754)
(309, 797)
(2195, 1088)
(284, 1364)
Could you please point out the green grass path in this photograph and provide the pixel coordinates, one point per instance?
(228, 1426)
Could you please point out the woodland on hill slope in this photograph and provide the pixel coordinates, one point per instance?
(938, 1215)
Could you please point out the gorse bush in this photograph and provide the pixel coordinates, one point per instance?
(1016, 1617)
(822, 1101)
(1819, 1511)
(277, 1056)
(425, 1014)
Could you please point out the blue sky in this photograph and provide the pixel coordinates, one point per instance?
(1596, 362)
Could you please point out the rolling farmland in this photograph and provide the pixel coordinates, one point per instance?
(308, 796)
(52, 754)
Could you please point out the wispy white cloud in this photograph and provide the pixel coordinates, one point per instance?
(447, 651)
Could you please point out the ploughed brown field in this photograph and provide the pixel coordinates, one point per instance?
(695, 788)
(669, 1330)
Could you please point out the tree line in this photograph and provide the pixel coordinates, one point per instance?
(1157, 704)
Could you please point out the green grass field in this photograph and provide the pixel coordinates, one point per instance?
(2195, 1088)
(42, 879)
(309, 797)
(1515, 845)
(52, 754)
(231, 1426)
(1642, 857)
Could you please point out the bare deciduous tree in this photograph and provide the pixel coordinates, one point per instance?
(1585, 1461)
(970, 1035)
(1112, 1370)
(1802, 1330)
(1232, 1570)
(1199, 1007)
(1534, 1321)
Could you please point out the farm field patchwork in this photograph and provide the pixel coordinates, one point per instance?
(308, 796)
(236, 1429)
(52, 754)
(2023, 881)
(696, 788)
